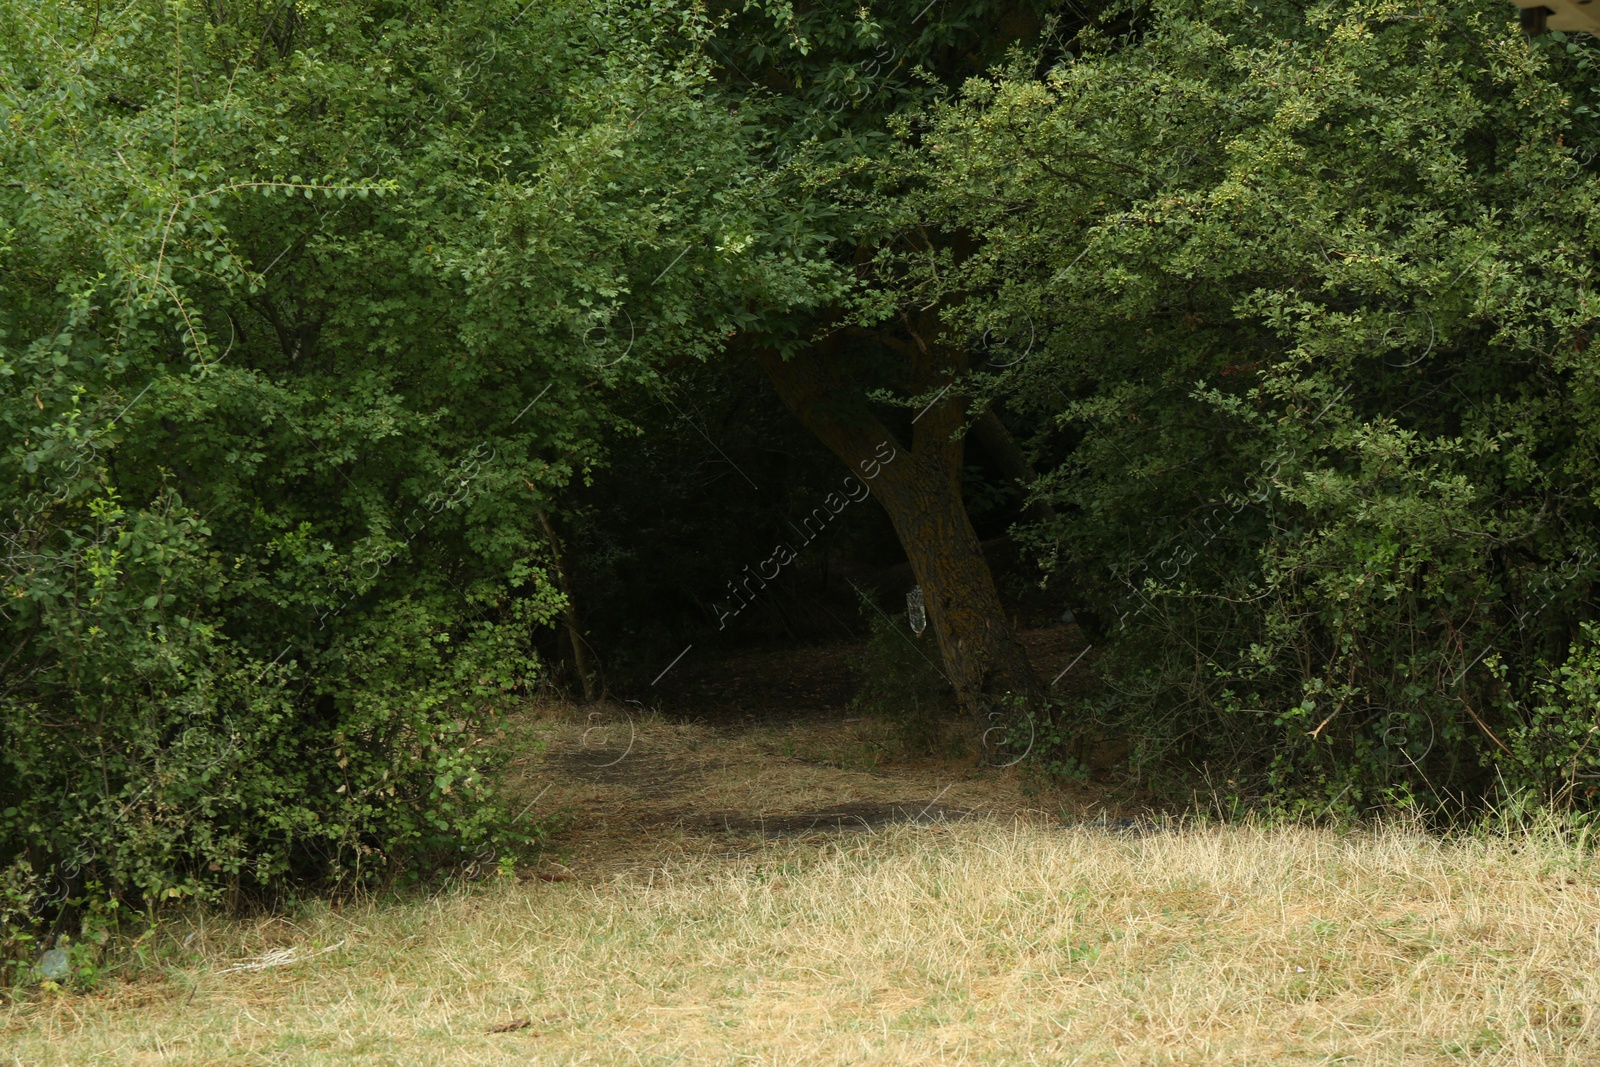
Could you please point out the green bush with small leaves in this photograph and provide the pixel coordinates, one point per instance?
(1312, 294)
(301, 331)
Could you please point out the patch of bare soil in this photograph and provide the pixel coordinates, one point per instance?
(761, 748)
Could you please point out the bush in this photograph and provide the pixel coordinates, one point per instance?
(1312, 294)
(145, 757)
(1553, 747)
(296, 342)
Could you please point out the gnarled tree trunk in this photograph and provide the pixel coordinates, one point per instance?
(920, 488)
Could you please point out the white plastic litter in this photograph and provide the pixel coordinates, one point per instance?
(916, 612)
(54, 965)
(281, 957)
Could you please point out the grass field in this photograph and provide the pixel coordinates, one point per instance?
(967, 943)
(689, 921)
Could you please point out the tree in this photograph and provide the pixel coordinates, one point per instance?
(1312, 298)
(919, 485)
(826, 83)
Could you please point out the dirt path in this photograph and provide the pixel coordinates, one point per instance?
(758, 749)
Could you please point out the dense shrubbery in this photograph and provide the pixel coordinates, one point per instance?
(1312, 293)
(304, 320)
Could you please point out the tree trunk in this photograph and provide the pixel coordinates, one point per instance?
(983, 658)
(920, 488)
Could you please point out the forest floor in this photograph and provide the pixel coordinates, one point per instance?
(764, 746)
(753, 873)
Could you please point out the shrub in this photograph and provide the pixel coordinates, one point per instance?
(296, 342)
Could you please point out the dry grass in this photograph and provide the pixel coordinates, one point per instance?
(639, 789)
(1003, 939)
(976, 942)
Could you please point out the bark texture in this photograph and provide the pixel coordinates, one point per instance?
(920, 489)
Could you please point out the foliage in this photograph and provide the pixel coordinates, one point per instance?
(313, 312)
(1310, 290)
(307, 310)
(1552, 745)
